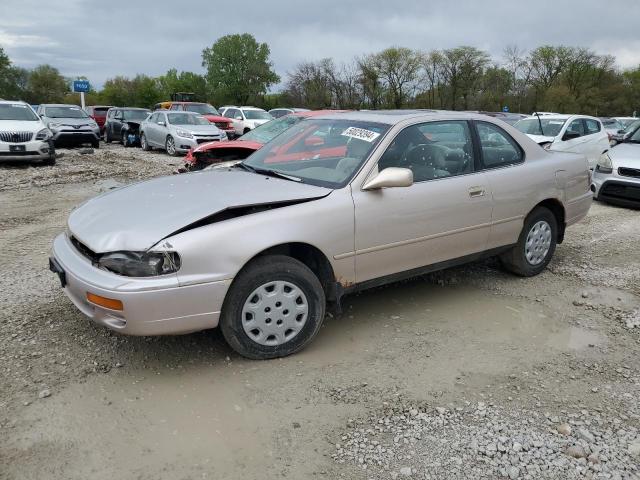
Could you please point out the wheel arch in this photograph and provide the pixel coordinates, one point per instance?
(557, 208)
(313, 258)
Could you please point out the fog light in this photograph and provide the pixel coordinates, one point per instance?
(105, 302)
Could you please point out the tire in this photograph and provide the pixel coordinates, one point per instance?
(249, 291)
(107, 137)
(170, 146)
(143, 143)
(123, 139)
(536, 244)
(50, 162)
(95, 144)
(246, 130)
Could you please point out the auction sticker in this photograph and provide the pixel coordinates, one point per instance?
(361, 134)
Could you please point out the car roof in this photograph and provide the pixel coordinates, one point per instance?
(130, 108)
(313, 113)
(59, 105)
(13, 102)
(391, 117)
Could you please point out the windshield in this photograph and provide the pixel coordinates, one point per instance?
(635, 138)
(17, 111)
(201, 108)
(268, 131)
(611, 123)
(187, 119)
(632, 126)
(257, 115)
(326, 153)
(135, 114)
(627, 121)
(70, 111)
(550, 126)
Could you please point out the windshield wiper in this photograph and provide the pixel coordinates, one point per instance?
(266, 171)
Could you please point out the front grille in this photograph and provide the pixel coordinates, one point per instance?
(16, 137)
(621, 190)
(629, 172)
(222, 125)
(18, 154)
(84, 250)
(206, 140)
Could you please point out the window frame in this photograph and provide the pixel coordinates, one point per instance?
(480, 155)
(586, 129)
(470, 128)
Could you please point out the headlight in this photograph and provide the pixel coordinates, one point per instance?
(604, 164)
(140, 264)
(93, 125)
(55, 125)
(547, 145)
(223, 134)
(183, 133)
(44, 134)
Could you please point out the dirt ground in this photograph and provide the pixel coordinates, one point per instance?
(468, 373)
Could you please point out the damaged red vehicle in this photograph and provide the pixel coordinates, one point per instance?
(217, 152)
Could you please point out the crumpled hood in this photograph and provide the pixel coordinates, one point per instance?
(541, 138)
(625, 155)
(138, 216)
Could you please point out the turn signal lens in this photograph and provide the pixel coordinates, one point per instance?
(105, 302)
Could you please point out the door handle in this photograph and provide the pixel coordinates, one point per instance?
(477, 191)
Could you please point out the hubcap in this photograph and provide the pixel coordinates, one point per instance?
(538, 243)
(143, 141)
(170, 146)
(274, 313)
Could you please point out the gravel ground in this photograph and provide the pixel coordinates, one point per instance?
(468, 373)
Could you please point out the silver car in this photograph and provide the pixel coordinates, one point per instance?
(177, 132)
(616, 178)
(70, 124)
(335, 204)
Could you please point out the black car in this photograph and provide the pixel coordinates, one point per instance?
(123, 124)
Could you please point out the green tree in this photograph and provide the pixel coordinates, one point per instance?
(172, 82)
(13, 80)
(46, 85)
(399, 68)
(238, 68)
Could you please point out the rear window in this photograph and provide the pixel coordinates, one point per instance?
(549, 127)
(100, 110)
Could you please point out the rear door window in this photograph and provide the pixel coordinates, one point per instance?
(592, 126)
(498, 148)
(577, 126)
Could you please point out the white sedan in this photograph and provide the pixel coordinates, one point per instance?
(568, 133)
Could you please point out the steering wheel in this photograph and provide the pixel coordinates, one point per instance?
(417, 150)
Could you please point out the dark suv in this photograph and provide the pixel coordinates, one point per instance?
(122, 121)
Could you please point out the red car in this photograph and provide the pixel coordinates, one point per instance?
(207, 111)
(216, 152)
(99, 114)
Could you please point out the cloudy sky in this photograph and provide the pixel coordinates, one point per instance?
(101, 39)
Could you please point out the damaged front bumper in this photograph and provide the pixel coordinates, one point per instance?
(145, 306)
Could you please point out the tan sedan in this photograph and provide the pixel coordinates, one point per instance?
(335, 204)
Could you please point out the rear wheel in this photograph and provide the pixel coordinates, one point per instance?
(536, 244)
(170, 146)
(274, 308)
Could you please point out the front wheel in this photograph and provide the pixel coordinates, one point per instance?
(170, 146)
(143, 143)
(274, 307)
(536, 244)
(107, 137)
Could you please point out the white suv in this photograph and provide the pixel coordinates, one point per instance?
(568, 133)
(244, 119)
(23, 135)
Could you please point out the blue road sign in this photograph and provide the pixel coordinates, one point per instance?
(505, 109)
(81, 86)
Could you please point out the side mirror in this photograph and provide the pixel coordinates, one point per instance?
(239, 117)
(390, 177)
(570, 136)
(161, 123)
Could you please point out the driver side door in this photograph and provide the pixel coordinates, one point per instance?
(445, 214)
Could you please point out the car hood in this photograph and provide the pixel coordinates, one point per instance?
(70, 121)
(541, 138)
(229, 144)
(626, 155)
(217, 118)
(21, 125)
(199, 129)
(138, 216)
